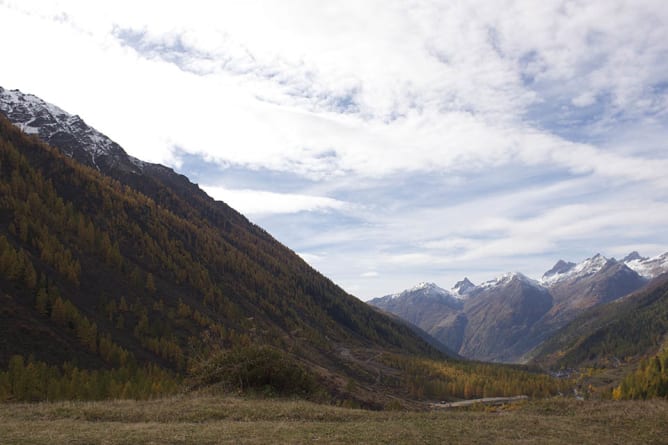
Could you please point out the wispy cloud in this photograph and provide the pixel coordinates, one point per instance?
(423, 137)
(260, 202)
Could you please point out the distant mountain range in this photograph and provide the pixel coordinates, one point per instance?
(504, 319)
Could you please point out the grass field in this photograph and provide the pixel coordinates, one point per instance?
(211, 420)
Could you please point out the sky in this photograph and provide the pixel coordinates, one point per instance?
(386, 142)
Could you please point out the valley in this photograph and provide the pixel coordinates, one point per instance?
(123, 279)
(131, 299)
(352, 222)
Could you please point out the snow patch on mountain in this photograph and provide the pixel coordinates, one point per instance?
(463, 288)
(425, 286)
(38, 117)
(647, 267)
(588, 267)
(425, 290)
(429, 290)
(633, 256)
(506, 278)
(560, 268)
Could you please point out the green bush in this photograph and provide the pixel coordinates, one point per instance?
(253, 369)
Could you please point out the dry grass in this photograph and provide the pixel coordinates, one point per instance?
(213, 420)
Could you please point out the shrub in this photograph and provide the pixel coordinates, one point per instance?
(255, 368)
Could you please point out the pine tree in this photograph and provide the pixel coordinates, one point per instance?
(58, 314)
(42, 301)
(150, 284)
(29, 273)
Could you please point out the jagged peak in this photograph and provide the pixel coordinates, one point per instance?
(16, 98)
(559, 268)
(425, 285)
(68, 132)
(507, 278)
(463, 287)
(634, 256)
(648, 267)
(423, 290)
(597, 261)
(563, 270)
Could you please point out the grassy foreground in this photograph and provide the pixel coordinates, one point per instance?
(212, 420)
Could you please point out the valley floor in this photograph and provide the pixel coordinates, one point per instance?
(212, 420)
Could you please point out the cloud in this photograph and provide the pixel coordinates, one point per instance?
(425, 137)
(259, 202)
(433, 87)
(310, 258)
(584, 99)
(370, 274)
(526, 227)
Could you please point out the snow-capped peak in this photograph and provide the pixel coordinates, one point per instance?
(462, 288)
(59, 128)
(560, 268)
(25, 110)
(424, 286)
(563, 270)
(430, 290)
(647, 267)
(634, 256)
(506, 278)
(425, 290)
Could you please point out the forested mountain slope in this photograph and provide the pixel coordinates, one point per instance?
(120, 278)
(613, 333)
(627, 340)
(100, 274)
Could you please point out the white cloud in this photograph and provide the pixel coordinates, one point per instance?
(520, 230)
(261, 202)
(432, 87)
(370, 274)
(355, 95)
(584, 99)
(311, 258)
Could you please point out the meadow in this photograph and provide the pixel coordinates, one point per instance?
(206, 419)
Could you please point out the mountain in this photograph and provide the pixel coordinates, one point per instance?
(633, 256)
(559, 269)
(621, 331)
(501, 314)
(594, 281)
(108, 262)
(506, 318)
(120, 278)
(463, 288)
(73, 137)
(431, 308)
(67, 132)
(488, 323)
(625, 341)
(648, 268)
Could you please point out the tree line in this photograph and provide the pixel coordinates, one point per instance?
(649, 380)
(28, 380)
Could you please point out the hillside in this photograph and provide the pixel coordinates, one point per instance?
(612, 334)
(100, 274)
(501, 316)
(428, 307)
(625, 341)
(120, 278)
